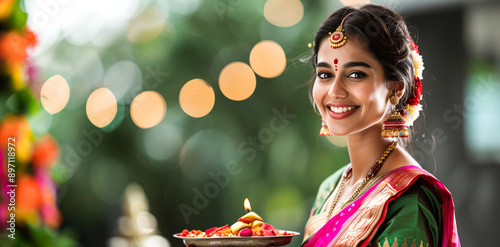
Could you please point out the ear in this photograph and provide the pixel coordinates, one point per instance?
(396, 86)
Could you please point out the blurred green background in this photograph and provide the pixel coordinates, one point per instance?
(196, 172)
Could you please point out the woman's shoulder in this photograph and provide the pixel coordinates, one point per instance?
(421, 192)
(414, 216)
(415, 187)
(406, 175)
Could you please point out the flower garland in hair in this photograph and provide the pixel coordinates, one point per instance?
(412, 105)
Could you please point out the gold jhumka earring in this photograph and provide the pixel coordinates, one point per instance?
(324, 129)
(395, 125)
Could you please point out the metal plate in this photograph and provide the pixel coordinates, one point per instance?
(256, 241)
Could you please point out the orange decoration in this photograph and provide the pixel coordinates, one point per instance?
(46, 152)
(13, 46)
(17, 126)
(28, 194)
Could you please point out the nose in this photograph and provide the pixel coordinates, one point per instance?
(337, 89)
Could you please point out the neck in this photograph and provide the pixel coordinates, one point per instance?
(364, 149)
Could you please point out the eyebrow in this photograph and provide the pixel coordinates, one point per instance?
(347, 65)
(324, 65)
(356, 64)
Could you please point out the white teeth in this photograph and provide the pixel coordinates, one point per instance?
(341, 109)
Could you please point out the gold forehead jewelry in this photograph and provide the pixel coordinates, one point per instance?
(338, 38)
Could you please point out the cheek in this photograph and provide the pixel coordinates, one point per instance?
(378, 100)
(318, 93)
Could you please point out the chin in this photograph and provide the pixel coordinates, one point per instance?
(341, 133)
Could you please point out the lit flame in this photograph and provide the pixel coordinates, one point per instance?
(247, 205)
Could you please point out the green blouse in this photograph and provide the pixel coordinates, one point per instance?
(413, 219)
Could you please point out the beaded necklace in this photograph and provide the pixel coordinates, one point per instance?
(348, 173)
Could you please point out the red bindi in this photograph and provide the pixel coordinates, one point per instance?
(336, 61)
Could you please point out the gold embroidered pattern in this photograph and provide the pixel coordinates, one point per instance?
(361, 226)
(403, 244)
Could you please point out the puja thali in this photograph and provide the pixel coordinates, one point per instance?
(255, 241)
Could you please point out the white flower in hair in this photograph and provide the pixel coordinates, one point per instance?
(418, 63)
(413, 112)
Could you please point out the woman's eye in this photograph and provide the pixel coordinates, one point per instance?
(324, 75)
(357, 75)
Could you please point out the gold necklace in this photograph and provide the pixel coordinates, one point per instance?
(348, 173)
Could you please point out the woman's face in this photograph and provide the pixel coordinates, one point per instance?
(350, 89)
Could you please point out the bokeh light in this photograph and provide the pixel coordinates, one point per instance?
(148, 109)
(197, 98)
(80, 88)
(126, 226)
(237, 81)
(163, 142)
(354, 2)
(135, 200)
(339, 141)
(101, 107)
(40, 122)
(146, 222)
(155, 241)
(283, 13)
(157, 49)
(268, 59)
(146, 26)
(117, 242)
(105, 35)
(184, 7)
(87, 62)
(121, 113)
(125, 79)
(54, 94)
(80, 22)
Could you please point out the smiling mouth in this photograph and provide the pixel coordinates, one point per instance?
(342, 109)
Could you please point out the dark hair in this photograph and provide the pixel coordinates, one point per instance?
(383, 32)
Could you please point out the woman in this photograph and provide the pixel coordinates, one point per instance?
(367, 87)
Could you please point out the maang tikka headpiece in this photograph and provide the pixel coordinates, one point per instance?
(338, 38)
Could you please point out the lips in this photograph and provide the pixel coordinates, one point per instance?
(341, 111)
